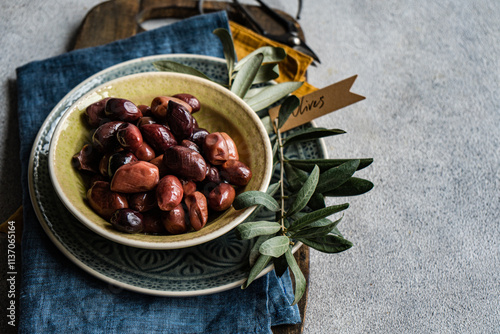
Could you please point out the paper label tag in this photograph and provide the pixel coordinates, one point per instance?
(319, 103)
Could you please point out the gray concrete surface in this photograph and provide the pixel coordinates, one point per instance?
(427, 243)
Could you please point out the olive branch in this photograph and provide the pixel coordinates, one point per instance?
(298, 198)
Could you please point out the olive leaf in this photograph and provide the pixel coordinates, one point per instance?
(300, 280)
(275, 246)
(295, 177)
(335, 176)
(266, 72)
(271, 55)
(254, 197)
(305, 193)
(319, 228)
(352, 187)
(245, 76)
(254, 251)
(260, 264)
(271, 190)
(287, 107)
(172, 66)
(310, 134)
(325, 164)
(327, 244)
(317, 201)
(271, 94)
(227, 48)
(254, 229)
(311, 217)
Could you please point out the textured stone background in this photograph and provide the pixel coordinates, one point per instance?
(427, 240)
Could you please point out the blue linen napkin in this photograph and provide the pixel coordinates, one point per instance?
(57, 296)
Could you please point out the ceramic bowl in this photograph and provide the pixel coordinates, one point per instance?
(221, 111)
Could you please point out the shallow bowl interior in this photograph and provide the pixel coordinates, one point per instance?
(221, 111)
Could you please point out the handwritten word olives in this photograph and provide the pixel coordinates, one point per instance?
(152, 169)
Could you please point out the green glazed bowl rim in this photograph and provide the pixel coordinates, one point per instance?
(123, 238)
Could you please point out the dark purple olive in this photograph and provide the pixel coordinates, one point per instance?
(215, 149)
(104, 201)
(198, 136)
(122, 109)
(145, 120)
(104, 138)
(143, 201)
(145, 152)
(145, 110)
(95, 113)
(153, 223)
(235, 172)
(158, 137)
(191, 100)
(127, 220)
(87, 159)
(129, 136)
(118, 159)
(212, 179)
(221, 197)
(159, 107)
(191, 145)
(180, 120)
(185, 162)
(175, 221)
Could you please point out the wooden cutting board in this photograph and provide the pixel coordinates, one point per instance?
(117, 19)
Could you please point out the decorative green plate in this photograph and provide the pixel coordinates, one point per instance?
(211, 267)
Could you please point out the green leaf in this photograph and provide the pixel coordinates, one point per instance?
(310, 134)
(287, 107)
(327, 244)
(271, 190)
(171, 66)
(254, 229)
(317, 201)
(266, 72)
(254, 197)
(352, 187)
(325, 164)
(275, 246)
(259, 265)
(317, 229)
(254, 91)
(254, 251)
(335, 176)
(245, 76)
(227, 48)
(295, 177)
(311, 217)
(270, 94)
(271, 55)
(300, 280)
(268, 124)
(305, 193)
